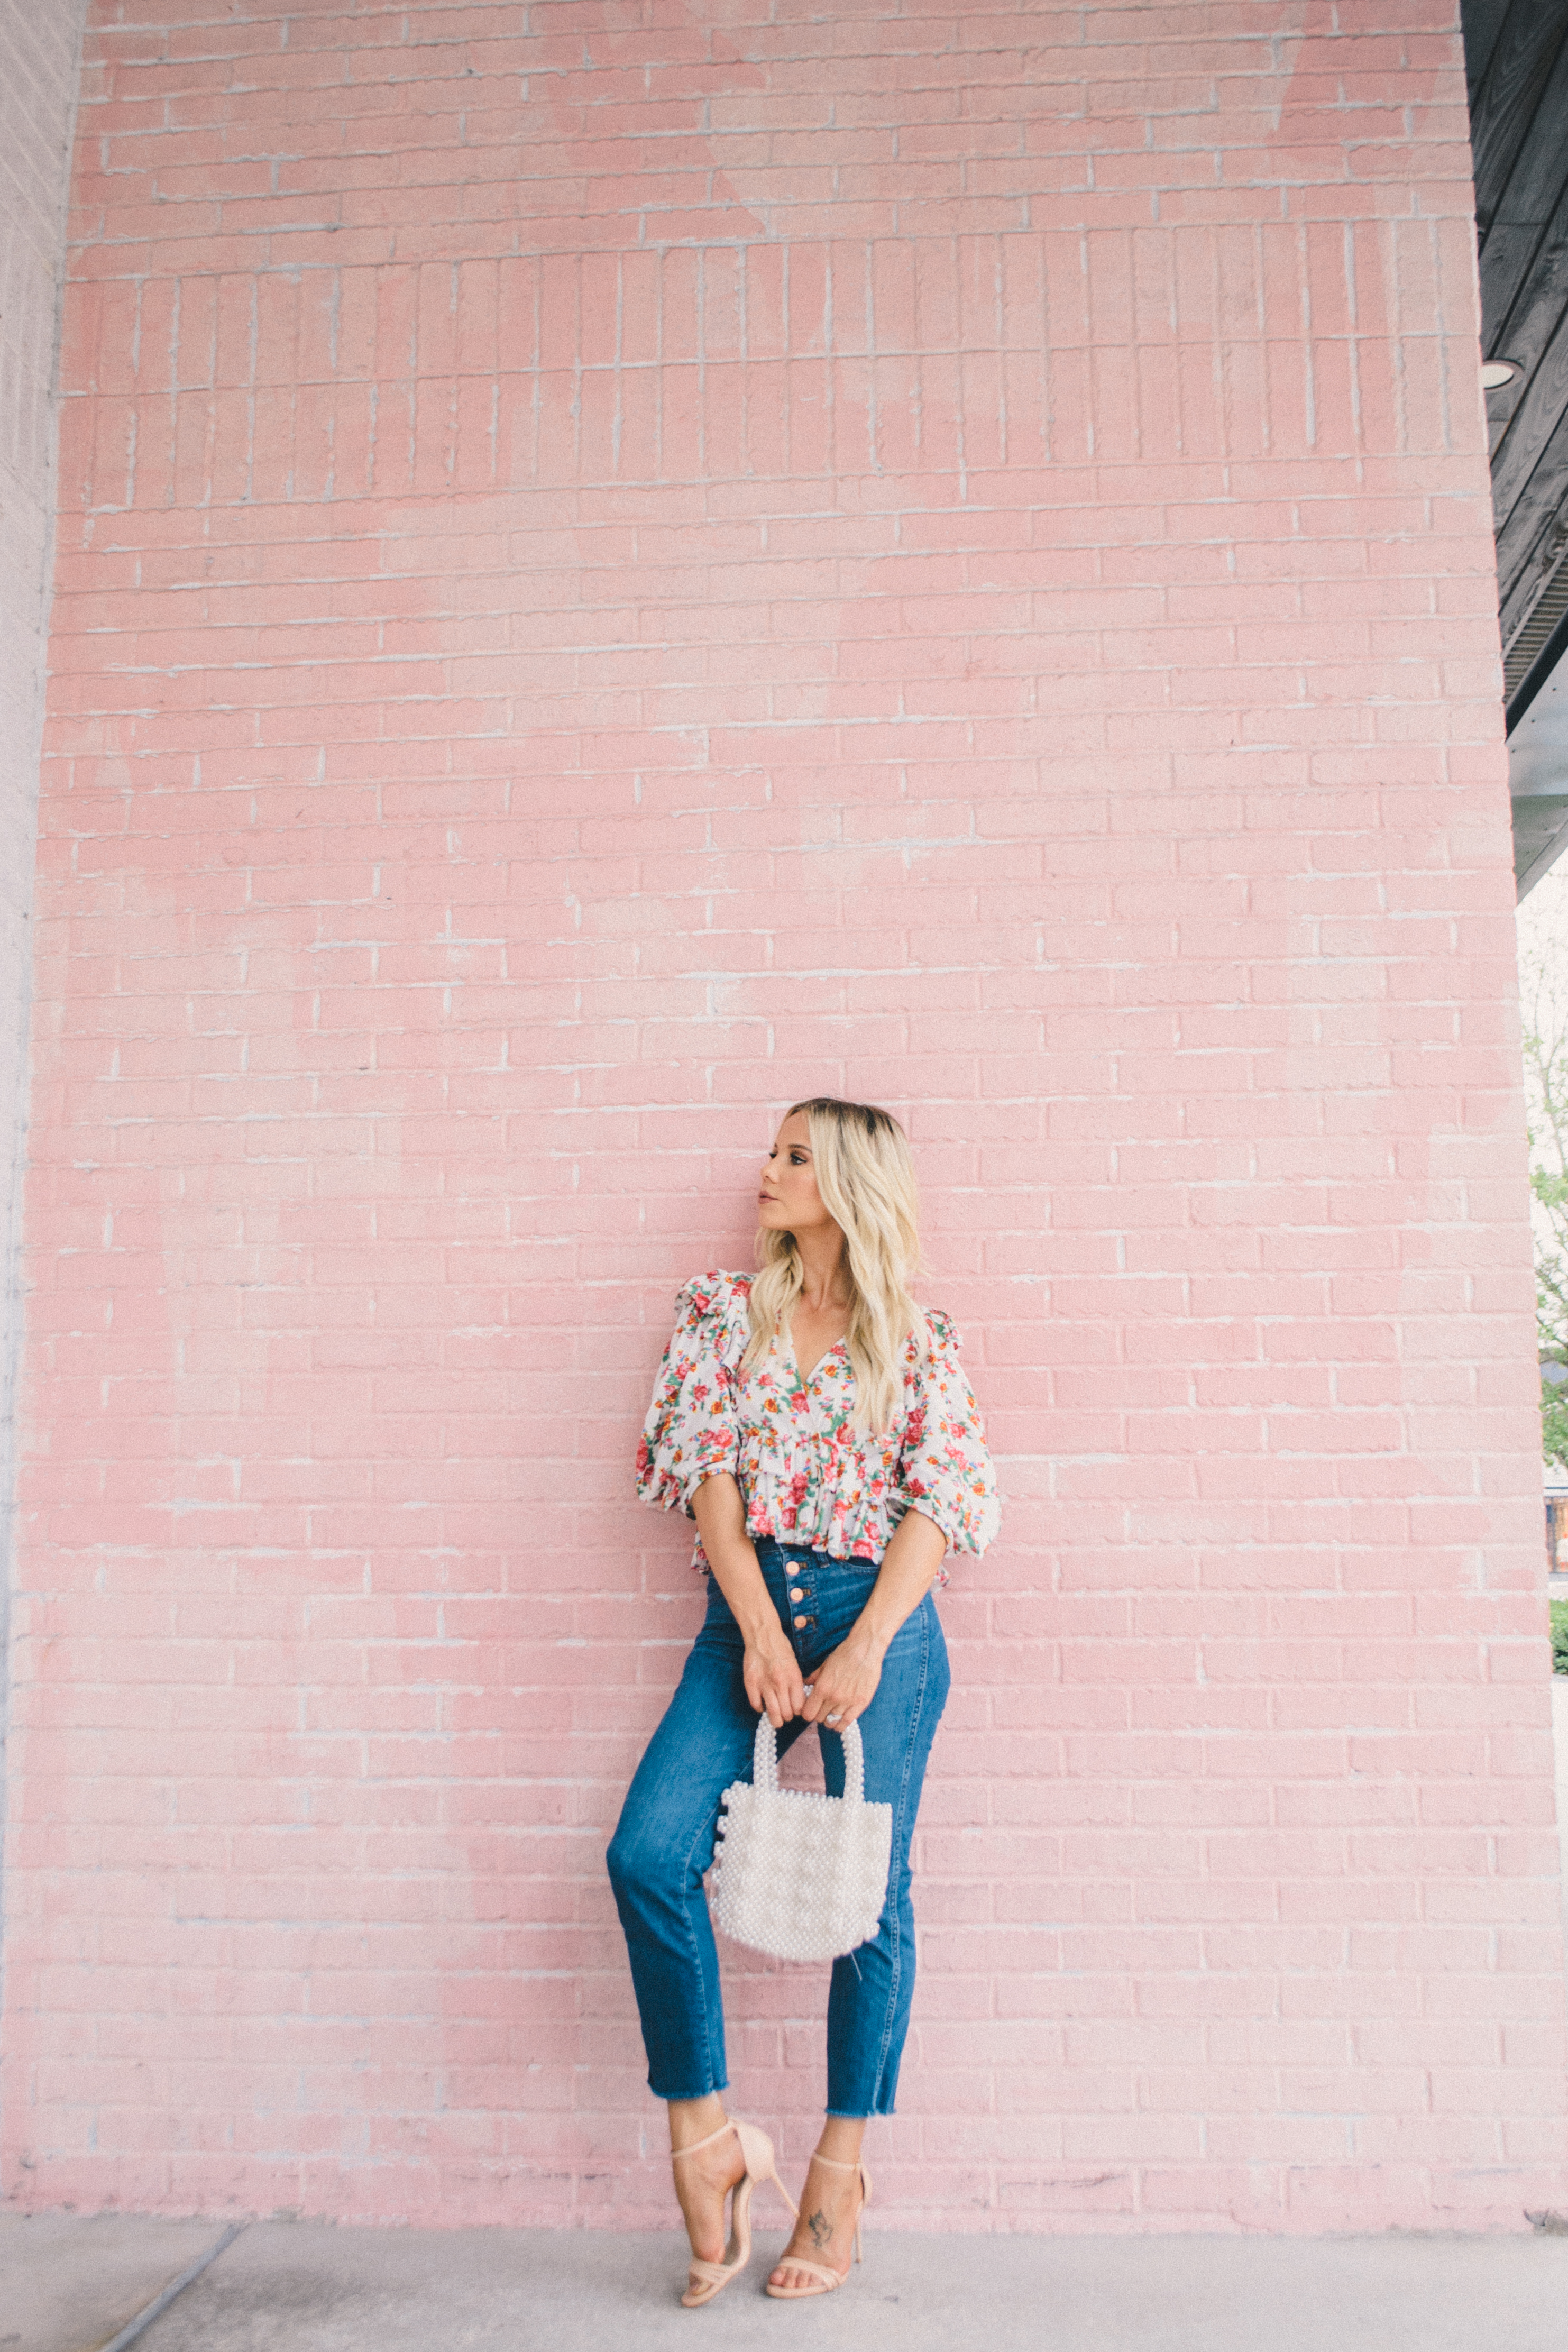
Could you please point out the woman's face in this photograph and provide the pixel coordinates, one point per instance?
(787, 1199)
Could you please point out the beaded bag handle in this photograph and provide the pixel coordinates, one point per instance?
(765, 1761)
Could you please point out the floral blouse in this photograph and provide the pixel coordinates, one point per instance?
(807, 1476)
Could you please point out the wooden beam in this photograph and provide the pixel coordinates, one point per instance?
(1531, 431)
(1504, 108)
(1482, 24)
(1529, 542)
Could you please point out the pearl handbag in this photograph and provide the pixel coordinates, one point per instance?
(802, 1876)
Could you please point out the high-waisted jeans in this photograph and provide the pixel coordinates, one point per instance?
(664, 1841)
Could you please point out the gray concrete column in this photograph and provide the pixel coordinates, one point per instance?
(40, 53)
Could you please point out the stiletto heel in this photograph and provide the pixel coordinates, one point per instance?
(761, 2164)
(708, 2279)
(827, 2279)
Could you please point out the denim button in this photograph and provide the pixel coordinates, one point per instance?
(799, 1620)
(796, 1593)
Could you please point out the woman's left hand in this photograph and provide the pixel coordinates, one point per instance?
(844, 1685)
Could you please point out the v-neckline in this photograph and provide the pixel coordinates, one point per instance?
(805, 1378)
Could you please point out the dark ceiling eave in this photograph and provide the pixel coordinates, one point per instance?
(1516, 65)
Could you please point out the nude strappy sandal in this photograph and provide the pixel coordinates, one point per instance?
(708, 2279)
(829, 2279)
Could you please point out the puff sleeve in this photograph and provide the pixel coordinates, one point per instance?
(945, 1468)
(690, 1434)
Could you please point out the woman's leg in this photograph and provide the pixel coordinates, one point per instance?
(872, 1987)
(662, 1847)
(829, 2205)
(705, 2179)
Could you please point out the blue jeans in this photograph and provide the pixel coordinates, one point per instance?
(664, 1841)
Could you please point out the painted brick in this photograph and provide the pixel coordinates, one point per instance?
(631, 571)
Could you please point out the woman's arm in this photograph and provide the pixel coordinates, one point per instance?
(773, 1682)
(845, 1683)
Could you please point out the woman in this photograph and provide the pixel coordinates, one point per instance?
(820, 1430)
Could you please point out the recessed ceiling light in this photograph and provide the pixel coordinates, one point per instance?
(1495, 374)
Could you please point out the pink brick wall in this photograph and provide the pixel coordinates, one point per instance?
(618, 564)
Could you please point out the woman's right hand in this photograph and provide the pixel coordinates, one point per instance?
(774, 1682)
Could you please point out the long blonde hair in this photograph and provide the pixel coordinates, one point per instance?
(866, 1179)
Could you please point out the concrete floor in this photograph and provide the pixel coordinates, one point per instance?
(68, 2283)
(309, 2287)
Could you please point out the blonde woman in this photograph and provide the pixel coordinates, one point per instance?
(821, 1430)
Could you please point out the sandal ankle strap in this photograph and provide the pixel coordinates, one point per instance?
(676, 2153)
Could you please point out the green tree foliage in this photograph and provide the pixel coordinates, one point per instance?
(1543, 987)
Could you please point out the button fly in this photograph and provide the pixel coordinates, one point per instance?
(799, 1620)
(796, 1593)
